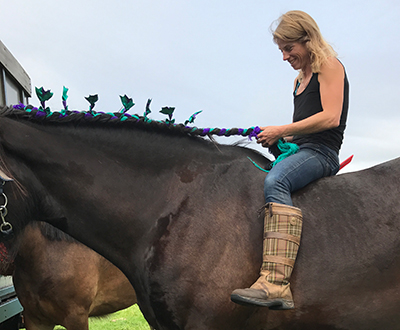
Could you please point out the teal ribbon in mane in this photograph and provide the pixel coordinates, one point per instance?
(287, 149)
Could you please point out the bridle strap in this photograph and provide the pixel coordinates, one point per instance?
(6, 229)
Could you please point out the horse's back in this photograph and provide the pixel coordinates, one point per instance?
(349, 259)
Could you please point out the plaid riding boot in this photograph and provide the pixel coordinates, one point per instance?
(282, 231)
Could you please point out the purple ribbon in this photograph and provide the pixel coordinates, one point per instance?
(255, 132)
(40, 114)
(205, 131)
(19, 106)
(222, 131)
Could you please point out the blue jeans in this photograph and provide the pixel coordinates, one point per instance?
(311, 162)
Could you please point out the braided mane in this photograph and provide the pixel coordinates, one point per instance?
(119, 119)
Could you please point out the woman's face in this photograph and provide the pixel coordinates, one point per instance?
(295, 53)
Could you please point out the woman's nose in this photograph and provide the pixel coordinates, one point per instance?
(285, 56)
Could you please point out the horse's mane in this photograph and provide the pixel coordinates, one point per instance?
(117, 119)
(52, 233)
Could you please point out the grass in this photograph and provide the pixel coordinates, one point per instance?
(126, 319)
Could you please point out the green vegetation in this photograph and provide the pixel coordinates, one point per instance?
(126, 319)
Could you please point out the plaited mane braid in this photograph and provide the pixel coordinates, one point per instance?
(38, 115)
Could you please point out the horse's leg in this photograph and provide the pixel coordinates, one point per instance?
(34, 324)
(113, 290)
(77, 321)
(55, 281)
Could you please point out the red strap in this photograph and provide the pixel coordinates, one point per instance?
(346, 162)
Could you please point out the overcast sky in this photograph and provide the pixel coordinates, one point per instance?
(210, 55)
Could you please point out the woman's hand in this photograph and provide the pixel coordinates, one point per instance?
(269, 135)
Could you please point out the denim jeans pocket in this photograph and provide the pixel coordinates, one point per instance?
(332, 160)
(329, 157)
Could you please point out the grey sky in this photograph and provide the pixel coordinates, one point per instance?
(210, 55)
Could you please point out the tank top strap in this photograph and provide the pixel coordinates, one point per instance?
(297, 87)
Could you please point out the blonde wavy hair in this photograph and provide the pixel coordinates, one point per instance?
(298, 26)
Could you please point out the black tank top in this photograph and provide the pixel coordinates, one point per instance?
(308, 103)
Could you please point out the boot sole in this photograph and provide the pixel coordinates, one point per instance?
(274, 304)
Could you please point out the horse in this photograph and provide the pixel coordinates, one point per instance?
(62, 282)
(180, 216)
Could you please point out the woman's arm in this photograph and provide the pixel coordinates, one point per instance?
(331, 80)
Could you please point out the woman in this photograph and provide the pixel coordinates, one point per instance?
(320, 111)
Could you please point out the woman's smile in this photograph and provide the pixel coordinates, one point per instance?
(295, 53)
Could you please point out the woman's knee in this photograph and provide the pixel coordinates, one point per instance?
(270, 182)
(276, 191)
(274, 183)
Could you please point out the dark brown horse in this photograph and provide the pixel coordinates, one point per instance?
(179, 216)
(62, 282)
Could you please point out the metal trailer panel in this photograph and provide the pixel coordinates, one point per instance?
(9, 309)
(9, 305)
(15, 69)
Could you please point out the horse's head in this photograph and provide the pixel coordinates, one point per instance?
(8, 244)
(22, 196)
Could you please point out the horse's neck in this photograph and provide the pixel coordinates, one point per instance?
(102, 162)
